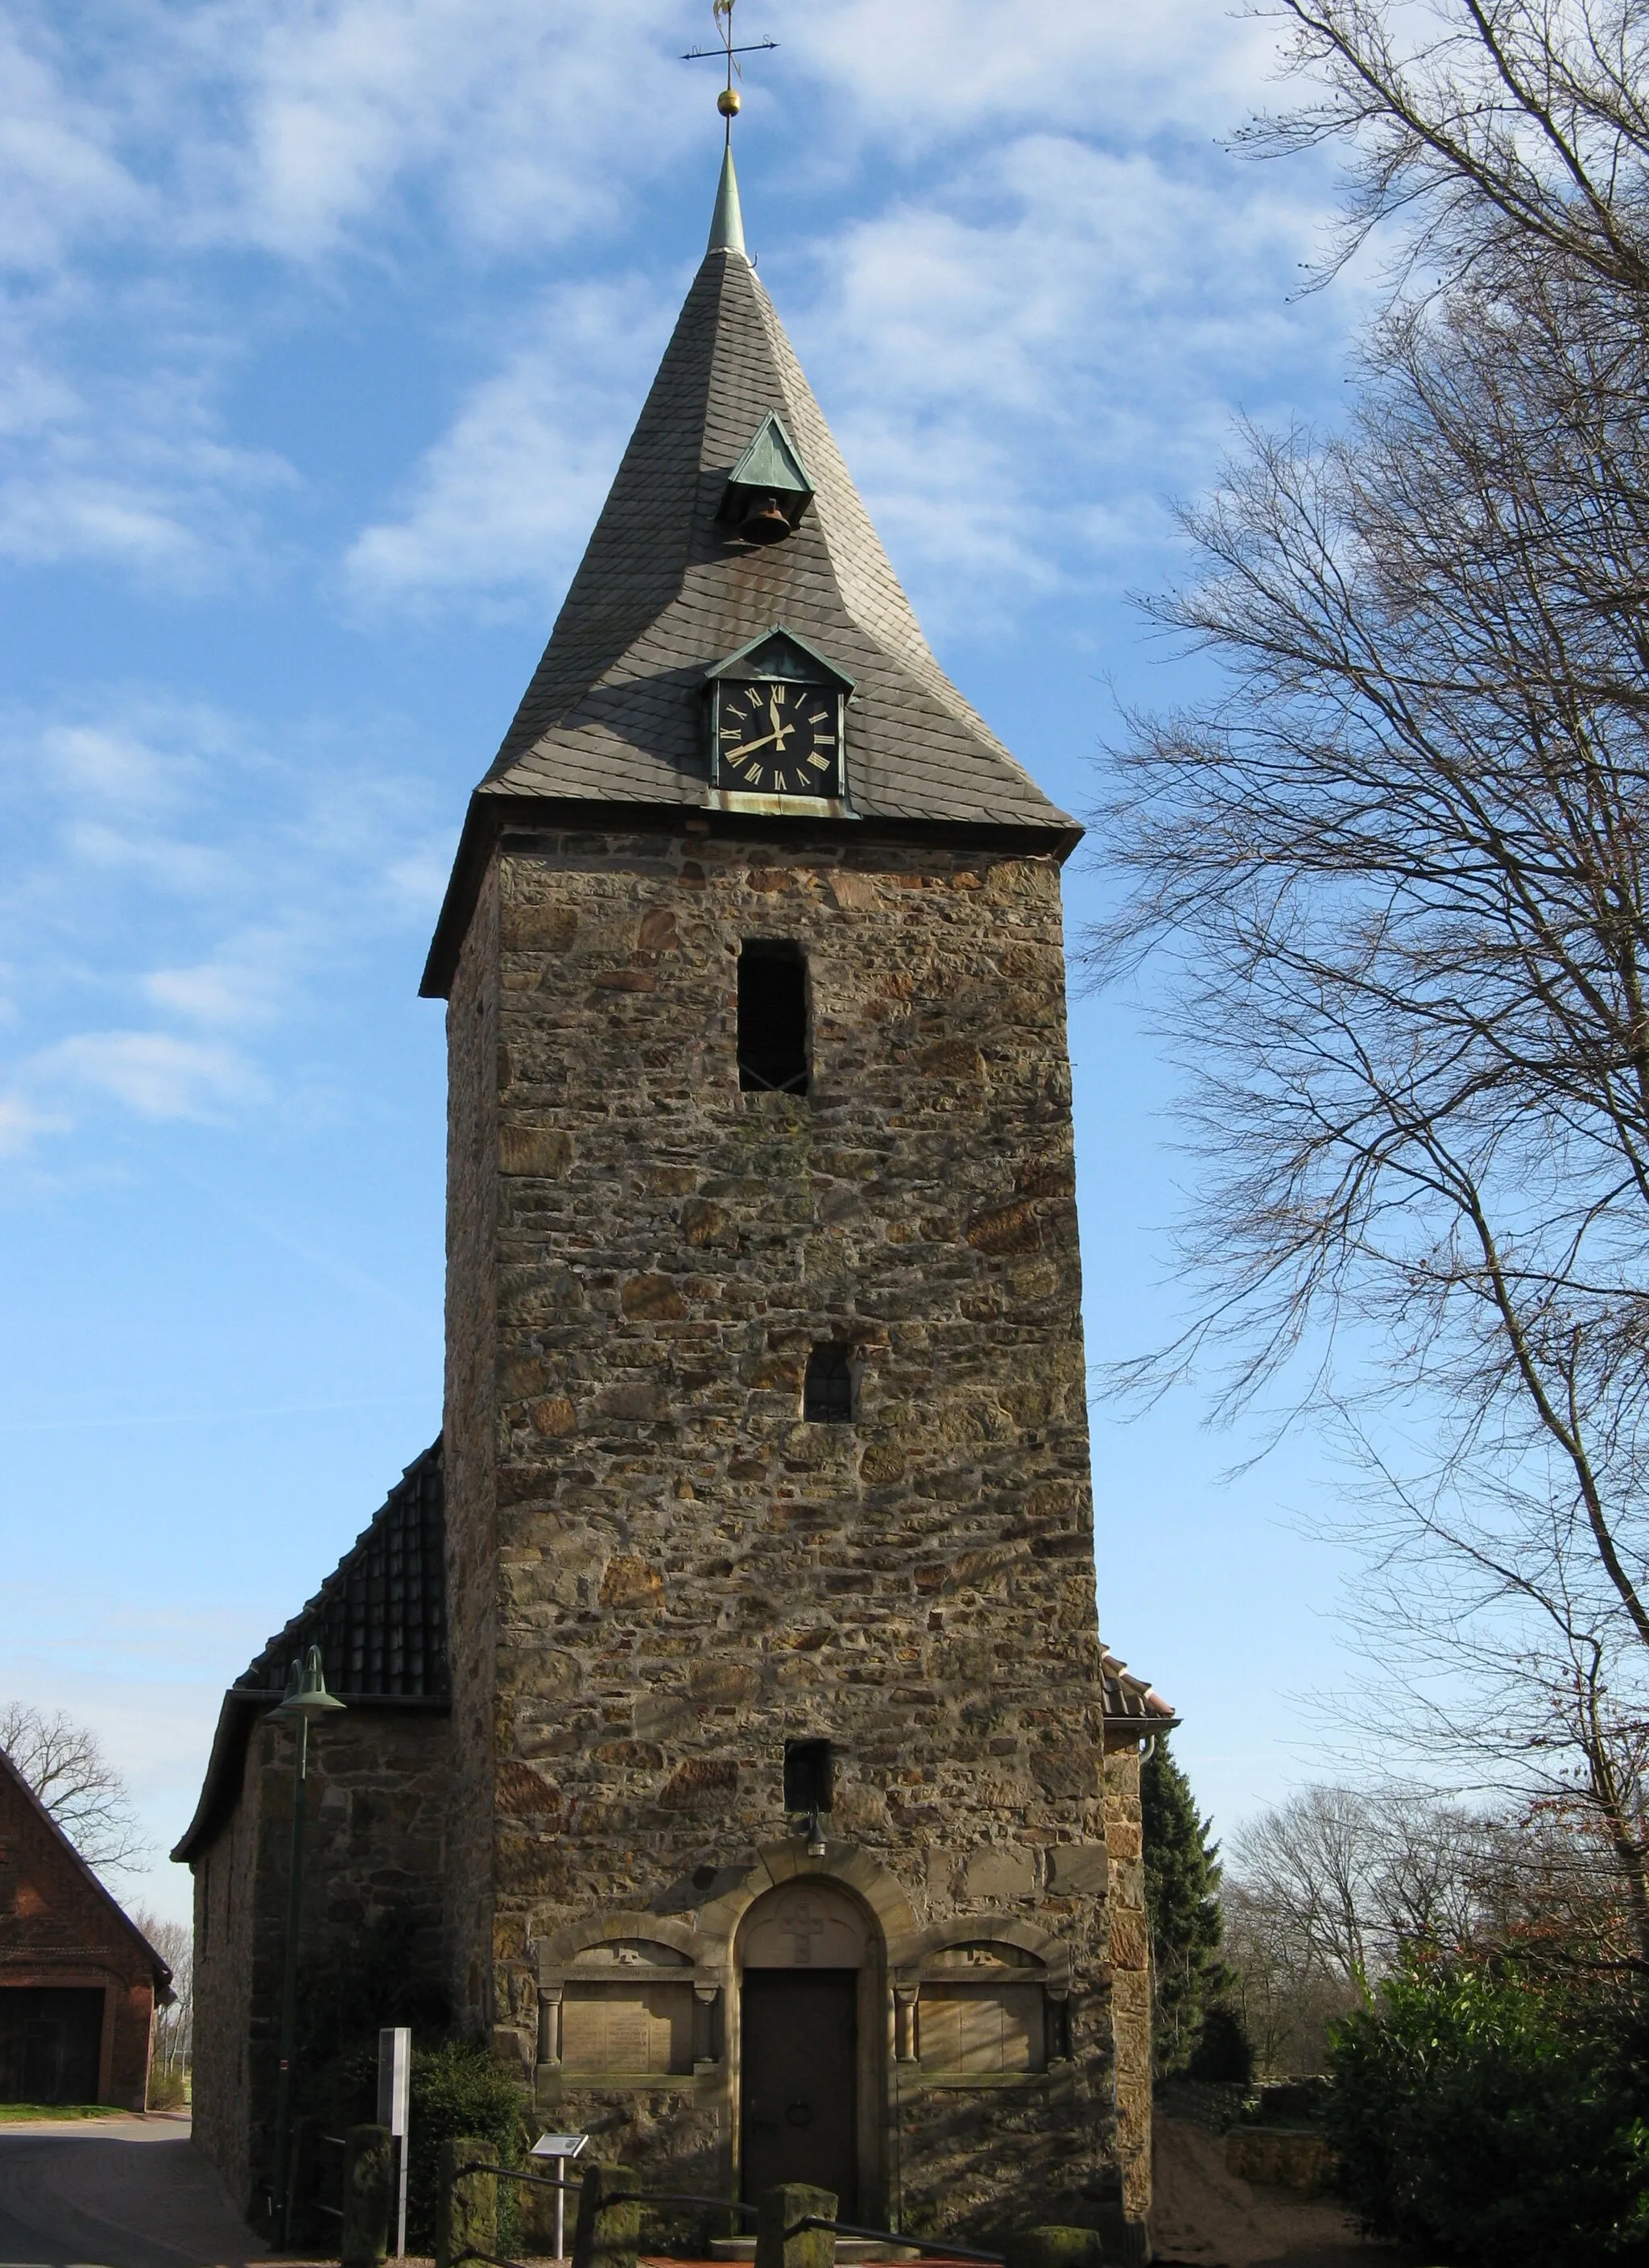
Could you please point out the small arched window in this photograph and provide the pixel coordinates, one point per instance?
(828, 1393)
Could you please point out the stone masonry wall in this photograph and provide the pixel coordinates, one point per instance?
(1130, 1976)
(378, 1844)
(225, 1878)
(663, 1570)
(473, 1290)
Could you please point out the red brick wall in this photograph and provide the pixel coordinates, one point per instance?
(59, 1927)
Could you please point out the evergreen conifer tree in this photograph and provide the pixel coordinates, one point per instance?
(1182, 1909)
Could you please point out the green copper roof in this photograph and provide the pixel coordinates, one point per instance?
(727, 228)
(772, 462)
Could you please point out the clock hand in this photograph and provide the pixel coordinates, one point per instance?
(781, 731)
(749, 748)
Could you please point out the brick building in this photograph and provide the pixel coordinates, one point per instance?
(760, 1785)
(78, 1981)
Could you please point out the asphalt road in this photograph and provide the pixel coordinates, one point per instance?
(113, 2193)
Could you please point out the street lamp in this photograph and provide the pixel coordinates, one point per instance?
(306, 1698)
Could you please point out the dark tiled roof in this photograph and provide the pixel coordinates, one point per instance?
(1133, 1710)
(614, 715)
(379, 1618)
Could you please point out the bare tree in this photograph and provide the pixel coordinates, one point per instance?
(64, 1763)
(1328, 1891)
(1505, 124)
(174, 2025)
(1397, 867)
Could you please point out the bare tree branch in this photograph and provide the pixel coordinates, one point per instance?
(1395, 871)
(64, 1763)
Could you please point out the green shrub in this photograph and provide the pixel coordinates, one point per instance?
(1223, 2051)
(1487, 2118)
(457, 2089)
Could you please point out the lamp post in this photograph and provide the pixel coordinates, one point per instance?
(306, 1698)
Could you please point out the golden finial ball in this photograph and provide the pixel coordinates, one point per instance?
(729, 102)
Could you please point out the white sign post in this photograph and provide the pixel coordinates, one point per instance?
(394, 2089)
(561, 2149)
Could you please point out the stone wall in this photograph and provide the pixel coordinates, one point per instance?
(659, 1572)
(473, 1289)
(378, 1845)
(225, 1884)
(1130, 1976)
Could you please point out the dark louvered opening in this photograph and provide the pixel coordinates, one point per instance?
(828, 1393)
(808, 1774)
(772, 1017)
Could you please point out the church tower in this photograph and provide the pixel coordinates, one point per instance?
(794, 1833)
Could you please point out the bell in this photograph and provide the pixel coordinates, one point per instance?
(764, 522)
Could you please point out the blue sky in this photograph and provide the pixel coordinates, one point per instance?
(325, 324)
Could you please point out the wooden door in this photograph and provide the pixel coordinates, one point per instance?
(799, 2058)
(50, 2036)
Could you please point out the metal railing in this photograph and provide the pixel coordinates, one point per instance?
(927, 2248)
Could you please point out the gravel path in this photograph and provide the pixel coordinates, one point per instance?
(1203, 2217)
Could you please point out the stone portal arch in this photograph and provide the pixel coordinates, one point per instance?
(812, 1924)
(805, 1946)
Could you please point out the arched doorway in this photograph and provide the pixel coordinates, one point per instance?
(809, 2003)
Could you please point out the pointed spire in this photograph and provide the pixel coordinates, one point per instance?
(726, 230)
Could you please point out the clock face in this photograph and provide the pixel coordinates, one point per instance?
(777, 737)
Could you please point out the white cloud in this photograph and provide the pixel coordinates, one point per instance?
(61, 178)
(1024, 367)
(325, 133)
(181, 898)
(509, 493)
(1022, 363)
(22, 1122)
(931, 68)
(247, 982)
(155, 1074)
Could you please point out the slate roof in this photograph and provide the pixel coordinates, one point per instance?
(379, 1620)
(614, 715)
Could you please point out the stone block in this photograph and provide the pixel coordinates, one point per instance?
(609, 2219)
(542, 1152)
(1080, 1869)
(1054, 2246)
(1004, 1871)
(368, 2187)
(466, 2204)
(780, 2240)
(1131, 1945)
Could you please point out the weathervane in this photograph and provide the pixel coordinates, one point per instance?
(729, 100)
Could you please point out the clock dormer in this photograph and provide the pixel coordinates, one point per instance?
(777, 721)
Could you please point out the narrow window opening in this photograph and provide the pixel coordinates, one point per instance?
(809, 1769)
(827, 1391)
(772, 1017)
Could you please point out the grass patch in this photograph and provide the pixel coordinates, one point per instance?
(12, 2113)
